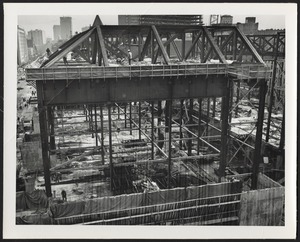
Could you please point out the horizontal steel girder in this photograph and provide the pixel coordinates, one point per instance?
(64, 92)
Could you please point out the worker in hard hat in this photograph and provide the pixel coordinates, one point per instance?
(129, 56)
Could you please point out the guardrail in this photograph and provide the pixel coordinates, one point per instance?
(93, 72)
(115, 72)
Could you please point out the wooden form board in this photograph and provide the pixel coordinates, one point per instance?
(262, 207)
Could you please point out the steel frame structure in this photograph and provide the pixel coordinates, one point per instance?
(91, 85)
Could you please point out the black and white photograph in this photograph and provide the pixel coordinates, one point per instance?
(150, 120)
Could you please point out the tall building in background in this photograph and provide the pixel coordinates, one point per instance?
(22, 49)
(36, 36)
(160, 19)
(226, 19)
(65, 28)
(56, 32)
(85, 28)
(249, 27)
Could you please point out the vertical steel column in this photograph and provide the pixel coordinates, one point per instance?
(51, 122)
(170, 132)
(231, 100)
(110, 146)
(96, 134)
(199, 124)
(224, 130)
(234, 45)
(92, 122)
(271, 97)
(44, 138)
(85, 112)
(214, 107)
(167, 116)
(258, 136)
(282, 136)
(159, 112)
(202, 52)
(183, 46)
(170, 144)
(237, 96)
(118, 111)
(152, 130)
(207, 114)
(125, 115)
(130, 118)
(194, 48)
(180, 122)
(140, 122)
(190, 122)
(102, 134)
(140, 43)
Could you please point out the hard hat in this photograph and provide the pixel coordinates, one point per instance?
(128, 50)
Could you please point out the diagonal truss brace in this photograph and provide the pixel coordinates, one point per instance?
(160, 44)
(68, 48)
(214, 46)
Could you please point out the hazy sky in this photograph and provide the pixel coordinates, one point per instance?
(46, 22)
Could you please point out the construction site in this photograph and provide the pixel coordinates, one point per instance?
(188, 130)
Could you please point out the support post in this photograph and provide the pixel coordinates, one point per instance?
(92, 122)
(207, 115)
(282, 136)
(237, 97)
(51, 122)
(199, 125)
(102, 135)
(167, 116)
(224, 131)
(170, 132)
(152, 130)
(231, 100)
(190, 121)
(140, 122)
(214, 107)
(44, 138)
(183, 46)
(96, 134)
(110, 147)
(170, 144)
(130, 118)
(125, 120)
(180, 122)
(258, 136)
(272, 89)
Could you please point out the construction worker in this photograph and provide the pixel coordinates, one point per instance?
(129, 56)
(65, 61)
(48, 52)
(64, 195)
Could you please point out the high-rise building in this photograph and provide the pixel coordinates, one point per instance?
(226, 19)
(160, 19)
(22, 49)
(56, 32)
(65, 28)
(36, 36)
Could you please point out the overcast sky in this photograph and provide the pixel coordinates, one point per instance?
(46, 22)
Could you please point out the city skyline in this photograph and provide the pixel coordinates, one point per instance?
(30, 22)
